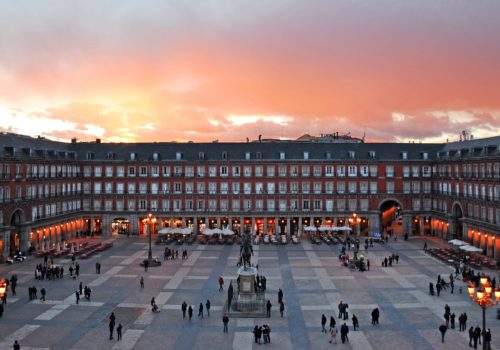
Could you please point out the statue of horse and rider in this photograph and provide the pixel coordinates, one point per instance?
(246, 250)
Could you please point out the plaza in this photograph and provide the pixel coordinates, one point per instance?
(311, 277)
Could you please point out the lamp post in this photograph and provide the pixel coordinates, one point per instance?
(149, 221)
(483, 296)
(355, 220)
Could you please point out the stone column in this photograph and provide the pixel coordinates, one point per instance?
(299, 226)
(374, 224)
(242, 225)
(288, 227)
(421, 225)
(276, 226)
(252, 228)
(265, 225)
(407, 224)
(106, 225)
(134, 225)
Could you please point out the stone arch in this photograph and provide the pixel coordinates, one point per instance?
(384, 206)
(17, 218)
(386, 200)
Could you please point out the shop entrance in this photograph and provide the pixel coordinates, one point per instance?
(120, 226)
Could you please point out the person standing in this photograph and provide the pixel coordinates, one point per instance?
(344, 330)
(323, 323)
(477, 336)
(77, 295)
(112, 319)
(471, 336)
(332, 322)
(142, 282)
(443, 328)
(184, 308)
(80, 288)
(190, 312)
(333, 335)
(16, 345)
(452, 320)
(282, 308)
(225, 321)
(368, 264)
(119, 332)
(42, 291)
(280, 296)
(487, 339)
(207, 305)
(268, 308)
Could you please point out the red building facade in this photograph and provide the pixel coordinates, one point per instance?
(51, 191)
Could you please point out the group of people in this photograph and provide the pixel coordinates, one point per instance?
(189, 309)
(48, 271)
(389, 260)
(260, 332)
(172, 254)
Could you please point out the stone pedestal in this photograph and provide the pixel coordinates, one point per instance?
(247, 302)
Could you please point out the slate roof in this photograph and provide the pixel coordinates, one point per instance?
(294, 150)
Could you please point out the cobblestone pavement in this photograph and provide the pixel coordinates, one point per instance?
(311, 277)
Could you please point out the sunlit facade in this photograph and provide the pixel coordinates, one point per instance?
(51, 191)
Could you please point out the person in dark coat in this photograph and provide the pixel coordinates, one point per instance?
(355, 322)
(268, 308)
(280, 296)
(16, 345)
(332, 322)
(200, 310)
(323, 323)
(119, 331)
(1, 310)
(225, 321)
(443, 330)
(112, 319)
(344, 330)
(184, 308)
(190, 312)
(471, 335)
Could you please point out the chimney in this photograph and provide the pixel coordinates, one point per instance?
(73, 140)
(260, 138)
(97, 140)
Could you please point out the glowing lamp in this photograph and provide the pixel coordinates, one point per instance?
(497, 294)
(470, 289)
(487, 290)
(480, 294)
(483, 280)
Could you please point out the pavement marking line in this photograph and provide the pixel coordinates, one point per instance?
(106, 276)
(324, 278)
(52, 312)
(358, 340)
(133, 305)
(192, 258)
(243, 340)
(125, 276)
(177, 279)
(129, 339)
(159, 277)
(133, 257)
(396, 276)
(313, 258)
(245, 322)
(147, 316)
(18, 335)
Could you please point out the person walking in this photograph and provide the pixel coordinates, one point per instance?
(333, 324)
(256, 334)
(190, 312)
(487, 339)
(112, 319)
(452, 320)
(119, 332)
(200, 311)
(355, 322)
(471, 336)
(221, 284)
(225, 321)
(368, 264)
(42, 291)
(184, 308)
(443, 328)
(282, 308)
(323, 323)
(207, 305)
(477, 336)
(142, 282)
(344, 330)
(280, 296)
(146, 265)
(77, 295)
(80, 288)
(375, 316)
(333, 335)
(16, 345)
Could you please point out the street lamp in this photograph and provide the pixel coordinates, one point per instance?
(484, 298)
(149, 221)
(355, 220)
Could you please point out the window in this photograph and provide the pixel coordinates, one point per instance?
(352, 187)
(224, 155)
(201, 155)
(212, 187)
(109, 171)
(415, 171)
(341, 187)
(236, 171)
(404, 155)
(259, 170)
(270, 205)
(189, 171)
(200, 187)
(165, 187)
(294, 187)
(363, 170)
(155, 171)
(236, 204)
(282, 155)
(406, 171)
(329, 187)
(305, 187)
(389, 185)
(389, 171)
(282, 187)
(224, 186)
(305, 205)
(306, 155)
(131, 171)
(306, 170)
(109, 187)
(282, 170)
(133, 156)
(415, 187)
(406, 187)
(200, 170)
(372, 154)
(352, 154)
(247, 171)
(236, 187)
(98, 171)
(340, 170)
(341, 204)
(143, 188)
(120, 188)
(178, 155)
(131, 187)
(317, 187)
(270, 170)
(282, 204)
(352, 170)
(363, 187)
(166, 171)
(259, 188)
(258, 155)
(373, 187)
(247, 188)
(120, 171)
(212, 171)
(329, 205)
(294, 170)
(156, 156)
(425, 155)
(247, 156)
(270, 187)
(329, 170)
(318, 204)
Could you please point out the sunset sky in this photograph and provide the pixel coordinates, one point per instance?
(421, 70)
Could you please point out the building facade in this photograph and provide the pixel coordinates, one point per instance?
(51, 191)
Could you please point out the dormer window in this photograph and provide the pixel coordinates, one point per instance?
(224, 155)
(282, 155)
(133, 156)
(425, 155)
(258, 155)
(247, 155)
(352, 154)
(178, 155)
(156, 156)
(328, 155)
(110, 155)
(201, 155)
(89, 156)
(372, 154)
(404, 155)
(306, 155)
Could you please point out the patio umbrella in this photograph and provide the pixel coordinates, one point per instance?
(472, 249)
(72, 249)
(227, 232)
(186, 231)
(310, 228)
(165, 231)
(457, 242)
(344, 228)
(208, 231)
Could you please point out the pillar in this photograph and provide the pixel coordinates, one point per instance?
(288, 228)
(242, 225)
(299, 226)
(374, 224)
(265, 225)
(407, 224)
(421, 225)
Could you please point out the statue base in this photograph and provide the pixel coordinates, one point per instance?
(248, 303)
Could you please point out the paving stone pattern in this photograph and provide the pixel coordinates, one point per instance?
(311, 277)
